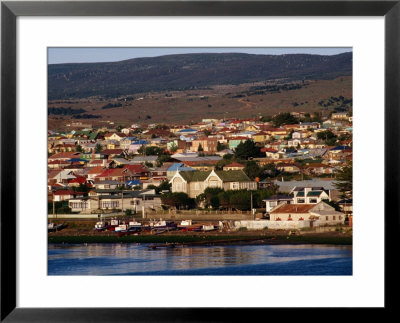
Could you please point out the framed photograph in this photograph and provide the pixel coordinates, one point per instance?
(183, 154)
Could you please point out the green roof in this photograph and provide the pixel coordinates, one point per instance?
(233, 176)
(226, 176)
(194, 176)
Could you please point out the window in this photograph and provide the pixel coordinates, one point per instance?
(327, 218)
(300, 200)
(235, 186)
(334, 217)
(313, 200)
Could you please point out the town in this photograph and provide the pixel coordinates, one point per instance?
(286, 171)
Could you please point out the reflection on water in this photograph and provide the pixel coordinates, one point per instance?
(139, 259)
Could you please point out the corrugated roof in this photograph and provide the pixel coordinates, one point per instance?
(294, 208)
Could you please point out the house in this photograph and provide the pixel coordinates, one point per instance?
(127, 200)
(288, 168)
(274, 200)
(65, 195)
(128, 172)
(115, 136)
(321, 213)
(107, 184)
(136, 145)
(64, 156)
(271, 153)
(208, 145)
(110, 153)
(233, 142)
(340, 116)
(261, 137)
(310, 195)
(144, 160)
(318, 169)
(177, 167)
(194, 183)
(233, 166)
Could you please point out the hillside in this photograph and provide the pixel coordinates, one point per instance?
(222, 101)
(188, 72)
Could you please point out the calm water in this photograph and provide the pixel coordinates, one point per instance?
(139, 259)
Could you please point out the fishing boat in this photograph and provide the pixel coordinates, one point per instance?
(113, 224)
(134, 225)
(121, 228)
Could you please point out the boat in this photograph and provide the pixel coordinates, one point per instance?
(186, 225)
(134, 225)
(162, 225)
(127, 229)
(53, 227)
(100, 226)
(208, 227)
(121, 228)
(113, 224)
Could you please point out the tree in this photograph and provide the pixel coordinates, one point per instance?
(200, 148)
(98, 148)
(344, 181)
(247, 149)
(221, 147)
(284, 118)
(178, 200)
(210, 193)
(79, 149)
(252, 169)
(174, 147)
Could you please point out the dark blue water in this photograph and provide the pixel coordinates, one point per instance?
(247, 260)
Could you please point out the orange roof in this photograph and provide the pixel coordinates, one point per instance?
(96, 170)
(234, 165)
(294, 208)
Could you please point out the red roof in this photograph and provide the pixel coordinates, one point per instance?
(294, 208)
(79, 180)
(270, 150)
(136, 168)
(116, 151)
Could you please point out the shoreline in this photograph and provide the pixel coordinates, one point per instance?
(203, 240)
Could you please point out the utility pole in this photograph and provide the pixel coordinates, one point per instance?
(54, 208)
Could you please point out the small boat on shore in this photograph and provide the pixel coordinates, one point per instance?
(208, 227)
(161, 225)
(100, 226)
(186, 225)
(52, 227)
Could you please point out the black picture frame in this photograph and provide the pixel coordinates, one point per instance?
(10, 10)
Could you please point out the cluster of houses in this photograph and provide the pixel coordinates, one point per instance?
(111, 163)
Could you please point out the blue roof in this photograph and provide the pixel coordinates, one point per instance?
(187, 130)
(133, 182)
(179, 166)
(140, 142)
(341, 148)
(174, 167)
(77, 160)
